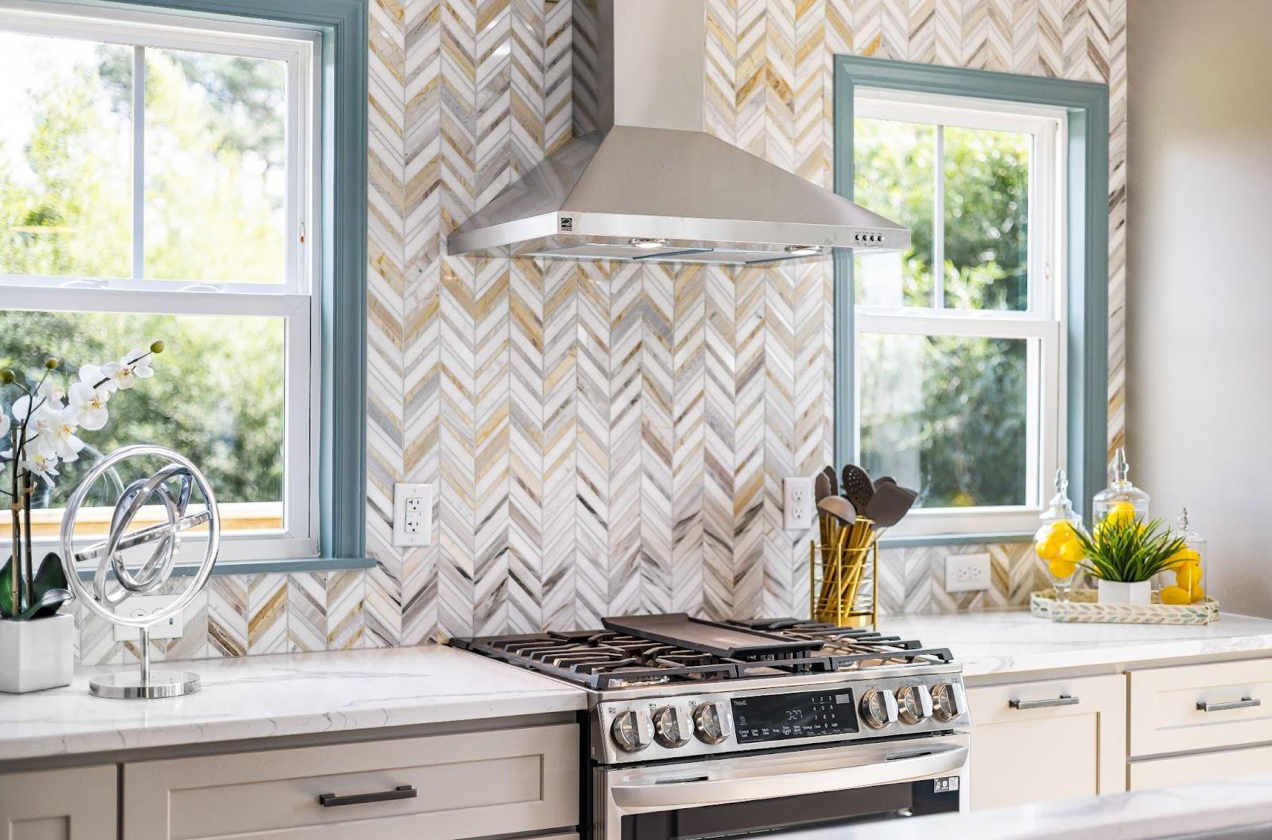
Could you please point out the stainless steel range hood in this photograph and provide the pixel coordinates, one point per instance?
(642, 180)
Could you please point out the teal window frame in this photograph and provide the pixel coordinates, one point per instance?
(342, 26)
(1087, 200)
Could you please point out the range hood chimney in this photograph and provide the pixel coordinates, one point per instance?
(642, 179)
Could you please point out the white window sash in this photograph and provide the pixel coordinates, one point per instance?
(294, 299)
(1042, 325)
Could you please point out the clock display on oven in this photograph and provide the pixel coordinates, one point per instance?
(779, 717)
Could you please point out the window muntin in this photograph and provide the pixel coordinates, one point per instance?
(958, 370)
(218, 185)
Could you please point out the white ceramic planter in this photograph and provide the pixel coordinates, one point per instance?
(1115, 592)
(35, 655)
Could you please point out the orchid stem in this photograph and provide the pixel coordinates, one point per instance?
(15, 595)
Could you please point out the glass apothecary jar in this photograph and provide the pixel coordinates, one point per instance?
(1183, 582)
(1056, 540)
(1121, 499)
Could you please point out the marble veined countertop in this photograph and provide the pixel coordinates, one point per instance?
(1207, 810)
(292, 694)
(1015, 641)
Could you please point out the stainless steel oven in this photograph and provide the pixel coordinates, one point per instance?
(787, 789)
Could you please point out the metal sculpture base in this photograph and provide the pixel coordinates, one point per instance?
(131, 686)
(145, 684)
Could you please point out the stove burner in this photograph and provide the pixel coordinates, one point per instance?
(603, 659)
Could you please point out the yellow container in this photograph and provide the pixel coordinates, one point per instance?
(842, 577)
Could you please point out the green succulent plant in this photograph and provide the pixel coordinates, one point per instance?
(1126, 550)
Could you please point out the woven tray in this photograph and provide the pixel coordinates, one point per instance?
(1081, 608)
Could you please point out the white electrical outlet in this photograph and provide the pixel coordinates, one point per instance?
(412, 514)
(966, 572)
(797, 503)
(141, 605)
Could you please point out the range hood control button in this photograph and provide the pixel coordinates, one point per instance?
(879, 708)
(631, 731)
(949, 702)
(710, 724)
(914, 703)
(670, 727)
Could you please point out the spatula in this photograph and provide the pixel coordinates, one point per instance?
(883, 479)
(889, 504)
(833, 479)
(821, 490)
(840, 508)
(857, 486)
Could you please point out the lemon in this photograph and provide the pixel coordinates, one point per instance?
(1188, 576)
(1121, 512)
(1175, 595)
(1050, 547)
(1061, 569)
(1182, 558)
(1198, 594)
(1063, 527)
(1071, 551)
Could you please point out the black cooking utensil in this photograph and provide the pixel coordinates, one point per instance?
(889, 504)
(829, 472)
(857, 486)
(883, 479)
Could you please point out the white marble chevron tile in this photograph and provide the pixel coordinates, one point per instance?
(612, 437)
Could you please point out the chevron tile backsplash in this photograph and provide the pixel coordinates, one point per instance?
(611, 437)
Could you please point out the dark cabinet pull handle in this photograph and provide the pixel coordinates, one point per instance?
(1243, 703)
(330, 800)
(1025, 705)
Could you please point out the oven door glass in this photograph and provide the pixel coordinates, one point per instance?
(817, 810)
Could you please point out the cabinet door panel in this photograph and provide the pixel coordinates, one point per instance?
(1050, 751)
(1210, 767)
(1168, 706)
(73, 804)
(464, 785)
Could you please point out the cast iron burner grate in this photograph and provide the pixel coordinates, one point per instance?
(603, 659)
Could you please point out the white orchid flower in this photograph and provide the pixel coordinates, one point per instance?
(24, 406)
(57, 435)
(41, 465)
(91, 375)
(139, 360)
(89, 405)
(53, 393)
(5, 425)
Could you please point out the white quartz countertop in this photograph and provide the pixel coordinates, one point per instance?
(1015, 641)
(1206, 808)
(293, 694)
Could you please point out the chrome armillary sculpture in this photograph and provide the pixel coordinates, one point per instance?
(114, 583)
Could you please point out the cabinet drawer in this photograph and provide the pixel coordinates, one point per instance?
(1168, 707)
(465, 785)
(1210, 767)
(73, 804)
(1079, 725)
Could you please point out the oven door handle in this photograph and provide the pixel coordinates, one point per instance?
(668, 795)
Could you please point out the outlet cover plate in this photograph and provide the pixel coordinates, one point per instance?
(967, 572)
(412, 514)
(798, 508)
(139, 605)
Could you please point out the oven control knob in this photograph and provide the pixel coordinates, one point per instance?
(670, 727)
(631, 730)
(878, 708)
(948, 702)
(914, 703)
(710, 724)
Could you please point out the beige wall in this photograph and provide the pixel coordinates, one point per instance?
(1200, 330)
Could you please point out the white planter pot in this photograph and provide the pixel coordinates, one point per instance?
(35, 655)
(1115, 592)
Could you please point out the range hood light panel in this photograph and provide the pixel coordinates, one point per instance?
(803, 250)
(647, 244)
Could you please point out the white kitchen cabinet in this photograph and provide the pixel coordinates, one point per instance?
(439, 787)
(1204, 767)
(1046, 740)
(74, 804)
(1200, 707)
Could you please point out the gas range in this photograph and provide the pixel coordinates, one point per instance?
(670, 686)
(722, 729)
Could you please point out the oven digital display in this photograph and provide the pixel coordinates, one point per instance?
(778, 717)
